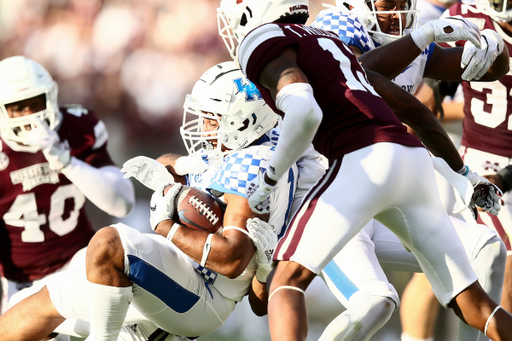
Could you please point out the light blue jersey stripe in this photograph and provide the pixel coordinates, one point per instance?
(344, 285)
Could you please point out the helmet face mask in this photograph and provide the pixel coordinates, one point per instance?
(22, 79)
(498, 10)
(236, 18)
(224, 112)
(368, 13)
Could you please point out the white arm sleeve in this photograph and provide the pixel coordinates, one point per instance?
(301, 121)
(105, 187)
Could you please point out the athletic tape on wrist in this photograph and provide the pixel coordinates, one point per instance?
(206, 249)
(506, 176)
(464, 170)
(490, 318)
(423, 36)
(172, 231)
(238, 229)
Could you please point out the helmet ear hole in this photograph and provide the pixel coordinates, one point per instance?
(243, 20)
(245, 125)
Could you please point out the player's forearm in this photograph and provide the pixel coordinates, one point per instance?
(378, 60)
(411, 112)
(169, 160)
(302, 119)
(104, 187)
(500, 67)
(228, 255)
(258, 297)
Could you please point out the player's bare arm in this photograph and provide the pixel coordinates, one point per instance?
(230, 252)
(444, 64)
(374, 59)
(169, 161)
(283, 70)
(413, 113)
(258, 297)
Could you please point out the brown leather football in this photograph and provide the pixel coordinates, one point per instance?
(197, 209)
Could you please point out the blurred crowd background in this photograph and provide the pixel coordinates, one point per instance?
(132, 62)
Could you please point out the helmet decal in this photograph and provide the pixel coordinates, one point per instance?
(251, 91)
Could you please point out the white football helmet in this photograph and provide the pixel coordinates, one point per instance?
(236, 18)
(224, 96)
(498, 10)
(20, 79)
(365, 10)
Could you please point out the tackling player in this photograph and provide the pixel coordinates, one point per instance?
(368, 150)
(51, 160)
(182, 286)
(385, 21)
(486, 127)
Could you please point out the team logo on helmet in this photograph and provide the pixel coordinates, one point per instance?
(251, 91)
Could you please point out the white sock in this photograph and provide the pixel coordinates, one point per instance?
(361, 320)
(107, 310)
(407, 337)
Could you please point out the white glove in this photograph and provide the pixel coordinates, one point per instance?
(147, 171)
(258, 193)
(479, 60)
(265, 240)
(486, 195)
(446, 30)
(162, 206)
(191, 164)
(56, 152)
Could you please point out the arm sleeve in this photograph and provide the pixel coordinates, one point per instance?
(105, 187)
(302, 119)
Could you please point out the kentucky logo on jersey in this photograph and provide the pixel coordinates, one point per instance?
(251, 91)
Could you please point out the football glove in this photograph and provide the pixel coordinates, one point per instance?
(147, 171)
(486, 195)
(478, 60)
(446, 30)
(265, 240)
(191, 164)
(56, 152)
(162, 206)
(258, 193)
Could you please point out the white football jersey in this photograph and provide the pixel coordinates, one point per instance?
(232, 176)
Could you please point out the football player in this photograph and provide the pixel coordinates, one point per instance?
(433, 61)
(374, 163)
(384, 22)
(188, 286)
(486, 133)
(51, 160)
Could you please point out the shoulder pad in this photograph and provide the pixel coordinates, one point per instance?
(254, 39)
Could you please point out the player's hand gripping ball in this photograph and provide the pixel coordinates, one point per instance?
(197, 209)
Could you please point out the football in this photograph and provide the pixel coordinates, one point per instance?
(197, 209)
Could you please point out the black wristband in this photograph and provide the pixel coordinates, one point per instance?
(506, 175)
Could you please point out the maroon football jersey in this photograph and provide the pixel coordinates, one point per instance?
(354, 115)
(487, 124)
(42, 214)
